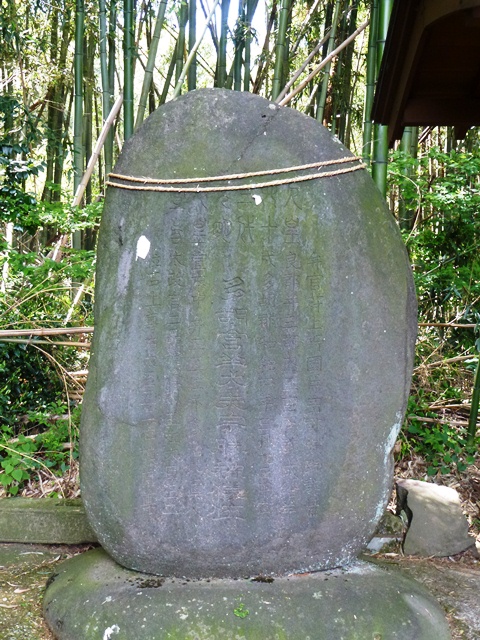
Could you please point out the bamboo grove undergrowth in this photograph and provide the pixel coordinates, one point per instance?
(66, 66)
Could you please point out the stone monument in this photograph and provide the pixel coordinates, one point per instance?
(254, 334)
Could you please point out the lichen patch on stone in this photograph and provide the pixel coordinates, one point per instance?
(109, 631)
(143, 247)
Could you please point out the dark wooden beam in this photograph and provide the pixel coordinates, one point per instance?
(430, 73)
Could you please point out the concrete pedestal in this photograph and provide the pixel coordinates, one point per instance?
(92, 597)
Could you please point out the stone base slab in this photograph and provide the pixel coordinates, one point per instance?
(91, 597)
(44, 521)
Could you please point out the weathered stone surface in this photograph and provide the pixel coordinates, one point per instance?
(92, 597)
(252, 351)
(438, 526)
(48, 521)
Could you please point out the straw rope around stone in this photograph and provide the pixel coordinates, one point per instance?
(153, 184)
(237, 176)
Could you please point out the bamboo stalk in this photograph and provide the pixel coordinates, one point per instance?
(251, 8)
(11, 333)
(353, 89)
(380, 142)
(78, 92)
(112, 20)
(96, 151)
(182, 17)
(6, 265)
(128, 58)
(57, 252)
(78, 147)
(280, 48)
(79, 295)
(106, 89)
(447, 324)
(323, 93)
(168, 79)
(192, 53)
(84, 345)
(235, 74)
(324, 62)
(302, 67)
(222, 49)
(192, 38)
(211, 26)
(152, 54)
(472, 420)
(439, 363)
(370, 84)
(264, 59)
(439, 407)
(345, 64)
(458, 423)
(303, 26)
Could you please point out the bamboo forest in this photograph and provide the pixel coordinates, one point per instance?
(78, 78)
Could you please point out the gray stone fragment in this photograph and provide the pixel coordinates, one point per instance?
(438, 526)
(91, 598)
(47, 521)
(252, 350)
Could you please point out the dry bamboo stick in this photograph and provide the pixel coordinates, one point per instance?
(65, 445)
(437, 407)
(302, 68)
(7, 333)
(438, 363)
(446, 324)
(84, 345)
(96, 152)
(57, 252)
(191, 55)
(324, 62)
(460, 423)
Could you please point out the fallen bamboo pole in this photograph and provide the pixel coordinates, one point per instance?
(322, 64)
(8, 333)
(439, 363)
(61, 343)
(57, 252)
(459, 423)
(446, 324)
(12, 333)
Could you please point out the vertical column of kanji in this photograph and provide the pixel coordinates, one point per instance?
(172, 431)
(231, 349)
(268, 357)
(148, 412)
(230, 402)
(195, 361)
(194, 416)
(312, 382)
(290, 230)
